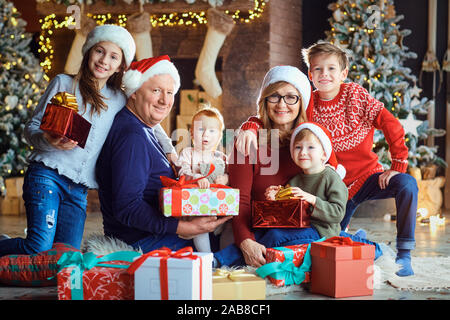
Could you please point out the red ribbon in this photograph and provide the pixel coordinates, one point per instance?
(165, 254)
(343, 241)
(177, 185)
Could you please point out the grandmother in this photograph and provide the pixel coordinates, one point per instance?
(131, 162)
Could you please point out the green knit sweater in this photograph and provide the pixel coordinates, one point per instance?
(331, 194)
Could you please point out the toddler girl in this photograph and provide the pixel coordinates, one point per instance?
(206, 133)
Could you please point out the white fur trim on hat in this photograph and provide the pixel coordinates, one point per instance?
(133, 79)
(291, 75)
(320, 134)
(115, 34)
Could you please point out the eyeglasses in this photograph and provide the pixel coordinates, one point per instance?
(288, 99)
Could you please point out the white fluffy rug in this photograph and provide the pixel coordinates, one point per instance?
(431, 273)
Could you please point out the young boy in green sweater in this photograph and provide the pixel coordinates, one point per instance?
(319, 184)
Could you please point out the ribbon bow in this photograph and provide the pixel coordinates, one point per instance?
(88, 261)
(165, 254)
(66, 100)
(183, 183)
(233, 275)
(343, 241)
(287, 270)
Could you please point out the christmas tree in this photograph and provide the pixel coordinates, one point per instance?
(21, 85)
(369, 31)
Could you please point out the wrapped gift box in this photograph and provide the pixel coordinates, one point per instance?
(61, 117)
(103, 281)
(12, 206)
(14, 187)
(342, 268)
(166, 275)
(237, 285)
(294, 253)
(199, 202)
(281, 214)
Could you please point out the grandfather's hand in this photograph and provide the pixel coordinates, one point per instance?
(254, 253)
(245, 140)
(60, 142)
(199, 225)
(385, 177)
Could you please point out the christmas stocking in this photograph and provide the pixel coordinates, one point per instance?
(139, 26)
(219, 26)
(74, 57)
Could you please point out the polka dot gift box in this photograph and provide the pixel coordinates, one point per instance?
(178, 201)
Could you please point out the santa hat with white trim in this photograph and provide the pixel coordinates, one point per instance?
(142, 70)
(324, 137)
(115, 34)
(293, 76)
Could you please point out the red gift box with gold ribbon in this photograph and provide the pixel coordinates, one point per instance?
(341, 267)
(293, 213)
(61, 117)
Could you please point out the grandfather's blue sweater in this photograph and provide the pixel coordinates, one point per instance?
(128, 171)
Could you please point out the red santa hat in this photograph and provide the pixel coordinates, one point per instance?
(142, 70)
(293, 76)
(324, 137)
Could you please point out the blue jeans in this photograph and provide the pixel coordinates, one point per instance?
(280, 237)
(403, 188)
(56, 212)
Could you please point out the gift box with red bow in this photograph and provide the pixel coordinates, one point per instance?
(166, 275)
(61, 117)
(283, 265)
(90, 277)
(281, 214)
(183, 198)
(342, 268)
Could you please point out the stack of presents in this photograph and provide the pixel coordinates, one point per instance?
(336, 267)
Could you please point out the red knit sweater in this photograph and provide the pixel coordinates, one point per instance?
(352, 117)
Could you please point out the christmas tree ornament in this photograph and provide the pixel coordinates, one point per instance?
(74, 57)
(219, 26)
(139, 26)
(410, 124)
(415, 91)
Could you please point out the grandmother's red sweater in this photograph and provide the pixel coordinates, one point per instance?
(352, 117)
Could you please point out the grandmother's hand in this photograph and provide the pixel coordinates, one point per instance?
(254, 253)
(245, 140)
(199, 225)
(59, 142)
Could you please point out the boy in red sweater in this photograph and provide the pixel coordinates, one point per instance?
(351, 114)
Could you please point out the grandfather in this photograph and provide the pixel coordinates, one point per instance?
(131, 162)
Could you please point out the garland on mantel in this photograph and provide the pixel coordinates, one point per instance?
(212, 3)
(50, 23)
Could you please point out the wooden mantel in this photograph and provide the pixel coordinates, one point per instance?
(179, 6)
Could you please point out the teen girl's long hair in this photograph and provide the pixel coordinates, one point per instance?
(88, 85)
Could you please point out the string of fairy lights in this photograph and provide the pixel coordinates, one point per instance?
(50, 24)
